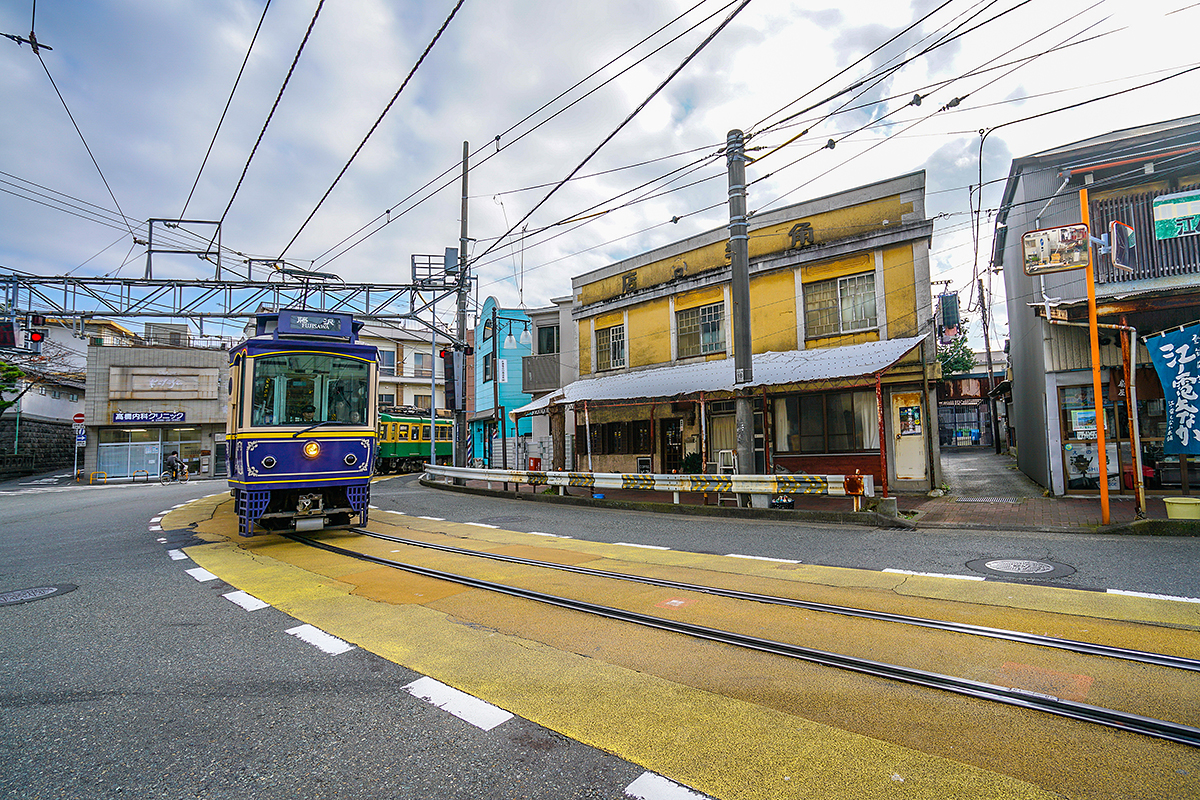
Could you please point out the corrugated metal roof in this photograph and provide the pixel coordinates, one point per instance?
(770, 369)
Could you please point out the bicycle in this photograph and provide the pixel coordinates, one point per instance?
(166, 476)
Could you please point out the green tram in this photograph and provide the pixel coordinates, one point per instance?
(403, 441)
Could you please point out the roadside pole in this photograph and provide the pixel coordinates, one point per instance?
(739, 261)
(464, 288)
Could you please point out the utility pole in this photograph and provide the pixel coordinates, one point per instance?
(987, 349)
(739, 261)
(464, 288)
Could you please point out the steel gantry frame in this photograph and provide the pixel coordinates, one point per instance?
(70, 297)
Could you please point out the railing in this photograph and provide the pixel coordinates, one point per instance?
(833, 485)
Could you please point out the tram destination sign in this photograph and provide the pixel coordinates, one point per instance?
(1177, 215)
(314, 323)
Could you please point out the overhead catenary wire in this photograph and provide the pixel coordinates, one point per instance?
(375, 127)
(228, 102)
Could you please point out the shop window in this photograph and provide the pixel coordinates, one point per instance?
(839, 305)
(833, 422)
(640, 436)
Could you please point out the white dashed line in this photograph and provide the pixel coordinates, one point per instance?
(764, 558)
(935, 575)
(435, 519)
(156, 519)
(644, 546)
(551, 535)
(1154, 596)
(246, 601)
(156, 527)
(481, 525)
(320, 639)
(655, 787)
(484, 716)
(177, 555)
(201, 574)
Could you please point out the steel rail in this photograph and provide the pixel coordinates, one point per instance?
(1133, 723)
(1038, 640)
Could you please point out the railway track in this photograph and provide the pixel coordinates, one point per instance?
(1011, 696)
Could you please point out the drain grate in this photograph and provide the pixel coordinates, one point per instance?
(987, 499)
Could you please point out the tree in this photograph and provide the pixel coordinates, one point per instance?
(957, 355)
(10, 381)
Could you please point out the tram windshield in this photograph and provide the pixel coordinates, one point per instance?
(307, 388)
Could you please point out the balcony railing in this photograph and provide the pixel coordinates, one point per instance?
(539, 373)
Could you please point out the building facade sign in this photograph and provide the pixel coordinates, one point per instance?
(148, 416)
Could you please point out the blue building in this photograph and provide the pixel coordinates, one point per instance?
(502, 339)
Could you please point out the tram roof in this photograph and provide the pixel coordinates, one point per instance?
(268, 344)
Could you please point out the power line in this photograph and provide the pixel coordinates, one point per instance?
(274, 106)
(221, 121)
(627, 119)
(382, 114)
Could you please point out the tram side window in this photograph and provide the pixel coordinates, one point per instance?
(425, 433)
(401, 433)
(444, 433)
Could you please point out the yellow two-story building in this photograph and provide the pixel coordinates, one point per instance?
(840, 312)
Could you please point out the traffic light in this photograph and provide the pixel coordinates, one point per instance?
(34, 339)
(452, 373)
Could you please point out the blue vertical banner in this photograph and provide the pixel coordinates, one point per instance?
(1176, 357)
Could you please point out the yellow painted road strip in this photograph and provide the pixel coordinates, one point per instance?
(724, 746)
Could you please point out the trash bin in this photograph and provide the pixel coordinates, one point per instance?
(1182, 507)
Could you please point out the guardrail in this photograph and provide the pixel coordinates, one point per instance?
(833, 485)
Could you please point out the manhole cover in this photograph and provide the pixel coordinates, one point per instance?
(1020, 568)
(19, 596)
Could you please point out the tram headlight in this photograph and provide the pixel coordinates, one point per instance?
(312, 449)
(269, 462)
(350, 459)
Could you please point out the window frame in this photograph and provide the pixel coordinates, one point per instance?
(605, 360)
(826, 304)
(712, 328)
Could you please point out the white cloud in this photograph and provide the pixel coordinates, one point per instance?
(147, 81)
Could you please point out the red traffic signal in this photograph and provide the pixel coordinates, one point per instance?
(36, 337)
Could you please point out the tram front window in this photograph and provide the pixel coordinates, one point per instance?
(308, 388)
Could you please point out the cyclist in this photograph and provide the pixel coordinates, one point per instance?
(175, 464)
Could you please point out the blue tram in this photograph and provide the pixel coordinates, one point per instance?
(301, 429)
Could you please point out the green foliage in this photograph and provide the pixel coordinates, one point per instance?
(691, 464)
(957, 356)
(10, 375)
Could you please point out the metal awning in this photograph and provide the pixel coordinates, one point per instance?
(770, 369)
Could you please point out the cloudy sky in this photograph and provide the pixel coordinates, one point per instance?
(536, 87)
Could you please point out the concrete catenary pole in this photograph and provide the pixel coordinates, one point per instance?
(464, 289)
(739, 255)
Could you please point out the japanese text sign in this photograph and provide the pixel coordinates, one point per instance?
(1176, 357)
